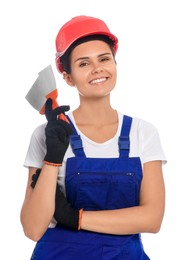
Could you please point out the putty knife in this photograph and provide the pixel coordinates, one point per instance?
(43, 88)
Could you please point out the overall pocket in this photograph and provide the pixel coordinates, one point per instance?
(103, 191)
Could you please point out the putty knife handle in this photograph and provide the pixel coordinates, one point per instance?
(53, 95)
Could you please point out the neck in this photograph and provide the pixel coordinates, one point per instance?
(95, 112)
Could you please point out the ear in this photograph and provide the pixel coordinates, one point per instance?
(67, 77)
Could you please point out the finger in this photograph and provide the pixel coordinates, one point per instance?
(64, 125)
(36, 174)
(48, 108)
(59, 110)
(35, 177)
(48, 104)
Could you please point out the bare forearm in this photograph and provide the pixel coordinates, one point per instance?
(144, 218)
(39, 205)
(122, 221)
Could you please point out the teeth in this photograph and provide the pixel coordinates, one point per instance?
(97, 81)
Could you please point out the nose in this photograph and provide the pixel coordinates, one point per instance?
(96, 68)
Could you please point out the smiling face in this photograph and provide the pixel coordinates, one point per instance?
(93, 69)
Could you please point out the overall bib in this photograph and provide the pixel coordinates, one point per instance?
(97, 184)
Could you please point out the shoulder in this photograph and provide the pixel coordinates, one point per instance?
(146, 140)
(143, 128)
(39, 129)
(39, 132)
(37, 148)
(140, 126)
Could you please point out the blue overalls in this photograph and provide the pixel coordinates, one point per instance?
(97, 184)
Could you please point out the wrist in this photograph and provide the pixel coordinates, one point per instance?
(54, 158)
(52, 164)
(80, 218)
(52, 169)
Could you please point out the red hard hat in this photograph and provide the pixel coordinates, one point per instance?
(77, 27)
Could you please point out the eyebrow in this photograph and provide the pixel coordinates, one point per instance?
(86, 58)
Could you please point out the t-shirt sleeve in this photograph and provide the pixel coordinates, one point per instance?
(151, 148)
(36, 149)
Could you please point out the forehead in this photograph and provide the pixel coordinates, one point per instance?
(91, 48)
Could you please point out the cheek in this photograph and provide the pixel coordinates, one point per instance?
(80, 78)
(114, 75)
(77, 81)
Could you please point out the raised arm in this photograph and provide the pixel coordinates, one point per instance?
(39, 204)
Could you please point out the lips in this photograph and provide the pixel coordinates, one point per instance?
(99, 80)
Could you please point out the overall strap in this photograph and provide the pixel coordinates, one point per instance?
(124, 140)
(75, 141)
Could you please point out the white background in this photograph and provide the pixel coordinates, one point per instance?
(153, 80)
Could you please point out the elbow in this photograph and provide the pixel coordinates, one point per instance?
(153, 220)
(32, 231)
(32, 234)
(154, 225)
(155, 228)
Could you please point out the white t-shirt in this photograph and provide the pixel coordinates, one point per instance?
(144, 143)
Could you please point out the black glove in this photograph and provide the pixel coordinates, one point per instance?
(64, 214)
(35, 177)
(57, 133)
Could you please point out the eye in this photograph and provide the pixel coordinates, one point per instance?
(105, 58)
(83, 64)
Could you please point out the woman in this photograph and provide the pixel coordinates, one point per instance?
(95, 180)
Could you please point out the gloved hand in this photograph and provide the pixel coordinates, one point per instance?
(64, 214)
(57, 134)
(35, 177)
